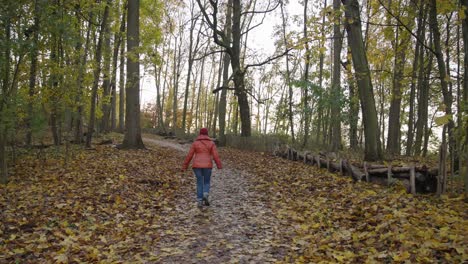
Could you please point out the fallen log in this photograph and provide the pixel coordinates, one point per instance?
(355, 173)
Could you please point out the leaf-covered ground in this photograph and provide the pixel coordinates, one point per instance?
(112, 206)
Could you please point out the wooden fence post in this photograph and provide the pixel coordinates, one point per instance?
(413, 180)
(328, 163)
(389, 175)
(341, 167)
(366, 172)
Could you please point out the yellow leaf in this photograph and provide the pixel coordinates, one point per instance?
(19, 250)
(62, 258)
(402, 256)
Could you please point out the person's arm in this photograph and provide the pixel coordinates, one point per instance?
(188, 158)
(214, 152)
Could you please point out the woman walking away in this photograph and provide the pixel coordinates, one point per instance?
(205, 151)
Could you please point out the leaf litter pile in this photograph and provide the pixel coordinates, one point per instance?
(116, 206)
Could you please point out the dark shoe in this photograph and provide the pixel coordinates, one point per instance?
(200, 204)
(205, 199)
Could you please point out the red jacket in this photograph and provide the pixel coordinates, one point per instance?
(204, 149)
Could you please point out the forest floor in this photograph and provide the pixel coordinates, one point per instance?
(113, 206)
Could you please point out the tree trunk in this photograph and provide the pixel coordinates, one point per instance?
(288, 77)
(106, 83)
(132, 136)
(118, 41)
(192, 48)
(336, 81)
(122, 82)
(5, 72)
(447, 96)
(176, 73)
(414, 77)
(226, 61)
(402, 42)
(305, 79)
(423, 100)
(33, 72)
(321, 108)
(464, 148)
(238, 73)
(373, 149)
(97, 73)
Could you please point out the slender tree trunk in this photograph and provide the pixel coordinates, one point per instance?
(176, 75)
(373, 149)
(106, 83)
(5, 71)
(132, 136)
(305, 79)
(353, 106)
(288, 77)
(192, 48)
(122, 86)
(464, 148)
(33, 72)
(54, 81)
(97, 73)
(402, 43)
(423, 100)
(321, 108)
(414, 77)
(216, 103)
(226, 61)
(447, 96)
(118, 41)
(336, 81)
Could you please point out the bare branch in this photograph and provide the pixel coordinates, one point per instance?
(213, 24)
(268, 60)
(223, 87)
(208, 54)
(262, 12)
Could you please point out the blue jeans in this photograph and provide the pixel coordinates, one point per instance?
(203, 181)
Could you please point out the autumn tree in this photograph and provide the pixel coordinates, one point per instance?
(132, 135)
(363, 79)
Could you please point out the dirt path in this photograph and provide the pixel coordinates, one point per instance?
(237, 228)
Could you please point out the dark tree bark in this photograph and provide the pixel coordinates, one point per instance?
(464, 148)
(132, 136)
(423, 100)
(97, 73)
(414, 78)
(33, 71)
(226, 61)
(336, 81)
(106, 83)
(122, 82)
(81, 71)
(118, 37)
(373, 149)
(353, 105)
(447, 96)
(305, 78)
(5, 72)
